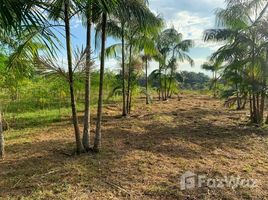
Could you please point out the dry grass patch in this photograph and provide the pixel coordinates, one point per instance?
(143, 156)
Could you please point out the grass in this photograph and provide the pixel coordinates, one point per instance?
(142, 156)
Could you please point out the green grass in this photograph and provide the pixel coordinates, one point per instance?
(38, 118)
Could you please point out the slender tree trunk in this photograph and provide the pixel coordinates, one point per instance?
(129, 79)
(2, 150)
(160, 83)
(237, 98)
(97, 141)
(130, 100)
(86, 132)
(165, 84)
(146, 79)
(258, 108)
(124, 109)
(215, 84)
(255, 115)
(245, 98)
(79, 146)
(169, 87)
(251, 107)
(263, 95)
(254, 96)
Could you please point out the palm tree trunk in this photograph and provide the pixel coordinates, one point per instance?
(146, 79)
(124, 110)
(165, 84)
(160, 84)
(215, 84)
(255, 117)
(129, 80)
(169, 87)
(86, 131)
(251, 106)
(130, 100)
(237, 97)
(97, 141)
(79, 146)
(263, 100)
(2, 150)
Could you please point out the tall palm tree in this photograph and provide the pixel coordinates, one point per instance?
(86, 8)
(149, 50)
(97, 141)
(128, 20)
(91, 11)
(62, 9)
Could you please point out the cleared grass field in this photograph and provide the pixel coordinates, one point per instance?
(142, 156)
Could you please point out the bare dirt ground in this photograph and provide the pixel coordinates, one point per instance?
(142, 156)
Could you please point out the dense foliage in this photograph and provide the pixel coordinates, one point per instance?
(242, 61)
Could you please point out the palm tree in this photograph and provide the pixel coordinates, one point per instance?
(91, 12)
(97, 141)
(62, 9)
(128, 20)
(172, 49)
(16, 14)
(245, 47)
(147, 46)
(86, 8)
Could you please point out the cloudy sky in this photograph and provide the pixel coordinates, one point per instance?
(190, 17)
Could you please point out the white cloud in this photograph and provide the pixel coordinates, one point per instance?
(192, 26)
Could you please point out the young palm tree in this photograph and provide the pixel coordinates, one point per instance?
(214, 67)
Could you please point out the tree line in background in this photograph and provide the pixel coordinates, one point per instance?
(240, 65)
(30, 44)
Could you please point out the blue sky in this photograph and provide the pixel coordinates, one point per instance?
(190, 17)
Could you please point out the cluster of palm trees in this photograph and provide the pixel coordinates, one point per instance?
(131, 22)
(172, 49)
(242, 60)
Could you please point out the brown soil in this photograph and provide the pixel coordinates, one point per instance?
(142, 157)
